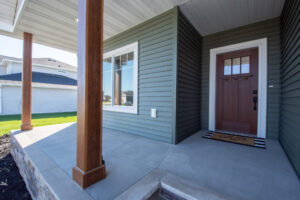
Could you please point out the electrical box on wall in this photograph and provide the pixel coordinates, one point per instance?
(153, 112)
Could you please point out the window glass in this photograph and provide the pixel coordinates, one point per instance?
(123, 79)
(227, 67)
(107, 92)
(236, 66)
(245, 65)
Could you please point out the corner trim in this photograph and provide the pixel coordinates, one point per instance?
(262, 81)
(175, 75)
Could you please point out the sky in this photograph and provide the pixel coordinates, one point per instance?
(14, 48)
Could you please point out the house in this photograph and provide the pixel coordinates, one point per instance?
(54, 86)
(127, 98)
(10, 65)
(190, 65)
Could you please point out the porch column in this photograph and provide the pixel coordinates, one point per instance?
(26, 82)
(118, 87)
(89, 167)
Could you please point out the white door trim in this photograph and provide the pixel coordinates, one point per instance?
(262, 82)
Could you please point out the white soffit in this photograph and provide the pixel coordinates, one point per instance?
(53, 22)
(10, 12)
(7, 13)
(211, 16)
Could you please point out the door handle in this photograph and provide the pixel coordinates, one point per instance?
(255, 102)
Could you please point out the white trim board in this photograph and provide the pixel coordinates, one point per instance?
(39, 85)
(262, 81)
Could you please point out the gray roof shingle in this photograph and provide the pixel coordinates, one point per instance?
(38, 77)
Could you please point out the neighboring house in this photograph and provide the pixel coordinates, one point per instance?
(127, 98)
(10, 65)
(54, 87)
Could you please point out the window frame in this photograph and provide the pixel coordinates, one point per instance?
(133, 47)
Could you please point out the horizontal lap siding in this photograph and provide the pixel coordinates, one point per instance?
(188, 79)
(157, 62)
(269, 29)
(290, 82)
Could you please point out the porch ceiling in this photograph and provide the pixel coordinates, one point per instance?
(7, 11)
(211, 16)
(53, 22)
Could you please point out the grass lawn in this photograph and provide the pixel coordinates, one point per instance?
(13, 122)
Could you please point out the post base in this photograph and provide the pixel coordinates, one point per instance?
(26, 127)
(85, 179)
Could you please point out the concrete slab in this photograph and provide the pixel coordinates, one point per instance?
(237, 171)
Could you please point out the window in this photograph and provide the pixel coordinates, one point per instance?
(61, 71)
(240, 65)
(107, 92)
(236, 66)
(227, 67)
(245, 65)
(120, 69)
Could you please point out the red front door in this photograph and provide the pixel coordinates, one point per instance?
(237, 91)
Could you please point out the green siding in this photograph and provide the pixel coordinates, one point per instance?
(290, 82)
(188, 83)
(269, 29)
(157, 39)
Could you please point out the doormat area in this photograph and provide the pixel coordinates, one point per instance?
(238, 139)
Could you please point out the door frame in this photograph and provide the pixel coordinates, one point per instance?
(261, 44)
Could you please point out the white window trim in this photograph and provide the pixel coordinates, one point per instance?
(117, 52)
(262, 82)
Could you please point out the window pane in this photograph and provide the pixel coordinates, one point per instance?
(245, 65)
(123, 74)
(236, 66)
(227, 67)
(107, 95)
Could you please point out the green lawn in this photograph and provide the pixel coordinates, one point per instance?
(13, 122)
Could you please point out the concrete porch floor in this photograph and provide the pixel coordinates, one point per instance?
(235, 171)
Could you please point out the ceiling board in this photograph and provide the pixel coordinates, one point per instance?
(53, 22)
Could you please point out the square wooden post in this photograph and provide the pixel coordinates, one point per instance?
(26, 82)
(89, 167)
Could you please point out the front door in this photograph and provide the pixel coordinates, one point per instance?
(236, 98)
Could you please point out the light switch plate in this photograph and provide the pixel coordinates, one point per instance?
(153, 112)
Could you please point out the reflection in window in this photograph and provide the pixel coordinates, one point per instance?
(227, 67)
(107, 93)
(236, 66)
(245, 65)
(123, 80)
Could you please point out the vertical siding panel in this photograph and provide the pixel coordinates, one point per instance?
(290, 82)
(269, 29)
(157, 62)
(188, 79)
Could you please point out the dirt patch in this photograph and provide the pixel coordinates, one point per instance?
(12, 185)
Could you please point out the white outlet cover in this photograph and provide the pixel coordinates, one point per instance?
(153, 112)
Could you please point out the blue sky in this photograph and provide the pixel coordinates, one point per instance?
(14, 48)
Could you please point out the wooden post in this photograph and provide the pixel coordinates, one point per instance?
(89, 167)
(118, 94)
(26, 82)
